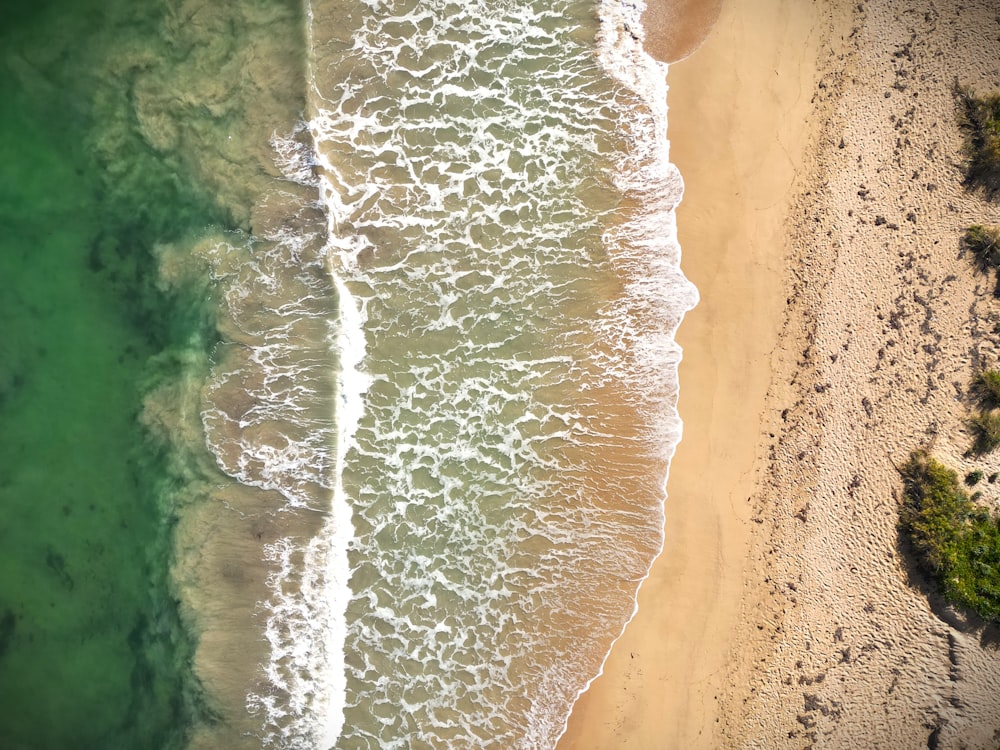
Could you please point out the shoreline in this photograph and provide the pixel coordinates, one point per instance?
(737, 189)
(838, 330)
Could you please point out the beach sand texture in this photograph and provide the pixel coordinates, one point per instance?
(838, 330)
(676, 28)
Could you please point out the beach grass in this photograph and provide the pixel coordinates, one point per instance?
(985, 388)
(956, 541)
(979, 118)
(984, 245)
(985, 428)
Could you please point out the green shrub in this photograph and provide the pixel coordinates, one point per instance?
(984, 245)
(985, 432)
(973, 478)
(979, 119)
(956, 541)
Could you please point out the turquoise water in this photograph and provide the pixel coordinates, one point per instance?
(92, 652)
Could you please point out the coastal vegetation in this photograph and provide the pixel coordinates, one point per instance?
(986, 389)
(985, 424)
(956, 541)
(985, 427)
(956, 538)
(984, 245)
(979, 118)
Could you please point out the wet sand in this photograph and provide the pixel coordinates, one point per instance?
(660, 683)
(838, 330)
(676, 28)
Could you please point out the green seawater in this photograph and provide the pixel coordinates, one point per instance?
(92, 649)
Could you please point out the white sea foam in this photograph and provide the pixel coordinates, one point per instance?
(645, 246)
(294, 155)
(270, 421)
(310, 588)
(658, 286)
(298, 361)
(501, 234)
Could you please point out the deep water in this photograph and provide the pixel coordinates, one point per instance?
(92, 650)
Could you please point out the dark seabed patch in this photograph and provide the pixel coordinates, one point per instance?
(92, 648)
(156, 251)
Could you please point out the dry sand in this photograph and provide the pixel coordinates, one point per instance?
(838, 330)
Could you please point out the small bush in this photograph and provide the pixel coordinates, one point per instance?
(956, 541)
(985, 432)
(983, 243)
(979, 119)
(992, 477)
(986, 389)
(973, 478)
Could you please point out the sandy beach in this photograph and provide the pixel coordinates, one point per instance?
(838, 330)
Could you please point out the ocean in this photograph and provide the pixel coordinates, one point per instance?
(338, 368)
